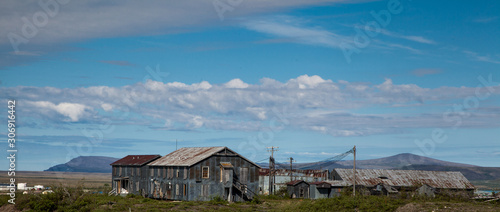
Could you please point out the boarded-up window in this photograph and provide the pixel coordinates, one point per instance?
(205, 172)
(152, 171)
(164, 172)
(178, 173)
(252, 174)
(138, 170)
(114, 170)
(137, 186)
(244, 175)
(227, 178)
(205, 190)
(185, 173)
(184, 190)
(198, 174)
(177, 189)
(120, 171)
(169, 172)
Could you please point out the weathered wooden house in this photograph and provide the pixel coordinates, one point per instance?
(130, 174)
(201, 173)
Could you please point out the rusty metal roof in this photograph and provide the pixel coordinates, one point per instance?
(295, 182)
(296, 173)
(135, 160)
(189, 156)
(436, 179)
(226, 164)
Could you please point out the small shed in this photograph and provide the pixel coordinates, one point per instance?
(298, 189)
(319, 190)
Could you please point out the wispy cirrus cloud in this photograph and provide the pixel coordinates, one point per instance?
(414, 38)
(486, 19)
(118, 62)
(425, 71)
(289, 28)
(483, 58)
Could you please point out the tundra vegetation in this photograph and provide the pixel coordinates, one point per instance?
(78, 198)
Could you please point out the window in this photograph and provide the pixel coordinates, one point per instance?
(178, 173)
(185, 173)
(138, 171)
(120, 171)
(164, 172)
(152, 172)
(205, 173)
(184, 190)
(132, 171)
(244, 175)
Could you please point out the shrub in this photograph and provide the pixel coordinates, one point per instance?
(217, 200)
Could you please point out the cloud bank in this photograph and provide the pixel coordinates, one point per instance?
(308, 103)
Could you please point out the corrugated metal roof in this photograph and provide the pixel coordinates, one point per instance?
(295, 182)
(296, 173)
(135, 160)
(189, 156)
(436, 179)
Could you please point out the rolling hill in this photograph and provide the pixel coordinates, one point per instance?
(95, 164)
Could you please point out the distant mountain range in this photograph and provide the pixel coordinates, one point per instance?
(405, 161)
(95, 164)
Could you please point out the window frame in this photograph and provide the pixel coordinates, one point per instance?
(207, 172)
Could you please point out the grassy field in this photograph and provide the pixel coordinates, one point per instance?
(69, 195)
(493, 185)
(74, 199)
(67, 179)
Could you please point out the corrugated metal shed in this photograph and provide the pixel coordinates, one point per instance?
(189, 156)
(135, 160)
(436, 179)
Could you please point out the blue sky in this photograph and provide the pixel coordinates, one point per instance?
(312, 77)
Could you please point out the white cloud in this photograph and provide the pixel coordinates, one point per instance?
(74, 111)
(312, 103)
(236, 83)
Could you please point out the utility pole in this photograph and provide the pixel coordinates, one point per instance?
(271, 149)
(291, 169)
(354, 172)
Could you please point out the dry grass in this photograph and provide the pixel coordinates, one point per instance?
(67, 179)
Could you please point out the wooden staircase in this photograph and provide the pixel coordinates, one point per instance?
(247, 193)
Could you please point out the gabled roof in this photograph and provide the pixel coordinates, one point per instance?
(407, 178)
(135, 160)
(189, 156)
